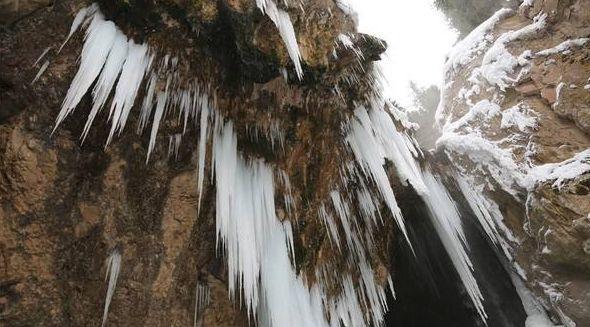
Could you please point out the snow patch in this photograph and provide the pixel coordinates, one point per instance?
(498, 63)
(561, 172)
(562, 47)
(464, 51)
(518, 116)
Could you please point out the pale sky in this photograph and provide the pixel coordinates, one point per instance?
(418, 36)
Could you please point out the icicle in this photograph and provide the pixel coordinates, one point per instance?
(41, 71)
(146, 108)
(78, 20)
(202, 299)
(330, 225)
(160, 106)
(132, 74)
(174, 145)
(398, 148)
(204, 122)
(107, 79)
(370, 156)
(447, 222)
(99, 40)
(41, 56)
(112, 274)
(283, 23)
(257, 244)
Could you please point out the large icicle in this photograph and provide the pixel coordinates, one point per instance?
(100, 37)
(285, 27)
(81, 16)
(107, 78)
(112, 274)
(132, 74)
(370, 156)
(256, 242)
(447, 222)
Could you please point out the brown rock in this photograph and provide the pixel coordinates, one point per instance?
(528, 89)
(549, 94)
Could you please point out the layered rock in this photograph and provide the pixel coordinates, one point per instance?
(514, 116)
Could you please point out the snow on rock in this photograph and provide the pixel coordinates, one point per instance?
(518, 116)
(517, 160)
(562, 47)
(483, 111)
(499, 162)
(526, 3)
(558, 90)
(498, 63)
(463, 52)
(560, 172)
(536, 315)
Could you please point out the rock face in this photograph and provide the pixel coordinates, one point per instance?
(514, 116)
(65, 207)
(247, 168)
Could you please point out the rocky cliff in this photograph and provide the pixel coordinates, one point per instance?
(232, 163)
(514, 117)
(256, 91)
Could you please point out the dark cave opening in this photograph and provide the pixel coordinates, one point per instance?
(429, 292)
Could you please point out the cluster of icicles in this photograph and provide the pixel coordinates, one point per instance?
(259, 246)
